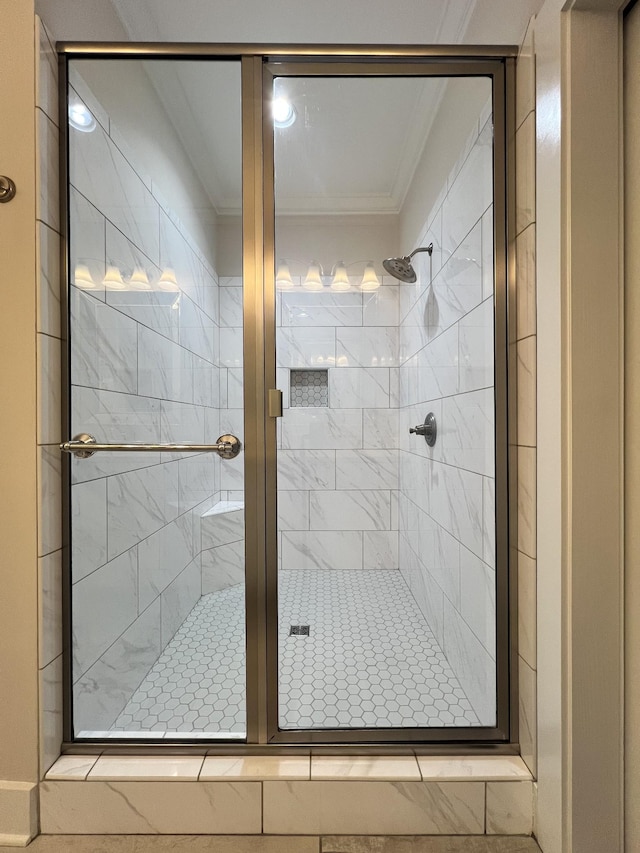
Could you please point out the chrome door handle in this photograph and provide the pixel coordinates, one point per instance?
(84, 446)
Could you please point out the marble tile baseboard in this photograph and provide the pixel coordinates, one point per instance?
(174, 843)
(426, 844)
(279, 844)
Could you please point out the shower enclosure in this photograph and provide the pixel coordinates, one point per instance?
(287, 461)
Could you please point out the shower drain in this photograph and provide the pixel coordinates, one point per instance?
(299, 631)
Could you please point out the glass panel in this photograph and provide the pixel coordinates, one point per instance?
(387, 569)
(157, 586)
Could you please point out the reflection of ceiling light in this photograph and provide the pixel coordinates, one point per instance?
(283, 277)
(82, 277)
(168, 281)
(284, 113)
(81, 117)
(313, 280)
(113, 279)
(139, 280)
(340, 279)
(370, 280)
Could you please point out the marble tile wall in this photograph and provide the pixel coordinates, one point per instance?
(49, 352)
(145, 367)
(446, 504)
(338, 465)
(523, 341)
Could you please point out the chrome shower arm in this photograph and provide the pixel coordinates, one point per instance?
(428, 248)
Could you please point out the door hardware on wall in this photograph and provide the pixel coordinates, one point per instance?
(7, 189)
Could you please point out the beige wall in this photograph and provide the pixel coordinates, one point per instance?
(18, 495)
(18, 567)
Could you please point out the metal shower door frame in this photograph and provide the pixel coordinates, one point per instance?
(259, 65)
(500, 72)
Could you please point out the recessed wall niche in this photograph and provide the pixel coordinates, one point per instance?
(309, 388)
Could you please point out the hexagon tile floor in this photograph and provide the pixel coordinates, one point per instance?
(370, 660)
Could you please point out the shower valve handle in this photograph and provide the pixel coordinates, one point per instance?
(428, 429)
(420, 429)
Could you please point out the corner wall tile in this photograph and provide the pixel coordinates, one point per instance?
(48, 196)
(380, 549)
(50, 607)
(476, 355)
(527, 609)
(222, 566)
(105, 605)
(47, 73)
(526, 282)
(101, 694)
(104, 351)
(89, 519)
(525, 76)
(18, 813)
(50, 714)
(525, 173)
(478, 598)
(469, 196)
(528, 715)
(71, 767)
(49, 355)
(509, 808)
(50, 499)
(48, 249)
(526, 402)
(527, 500)
(101, 173)
(472, 664)
(179, 598)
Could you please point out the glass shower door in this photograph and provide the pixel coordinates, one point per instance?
(384, 247)
(156, 408)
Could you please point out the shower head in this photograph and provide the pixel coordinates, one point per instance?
(401, 268)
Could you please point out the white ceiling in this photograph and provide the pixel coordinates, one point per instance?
(356, 142)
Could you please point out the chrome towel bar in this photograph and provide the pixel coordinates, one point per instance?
(84, 445)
